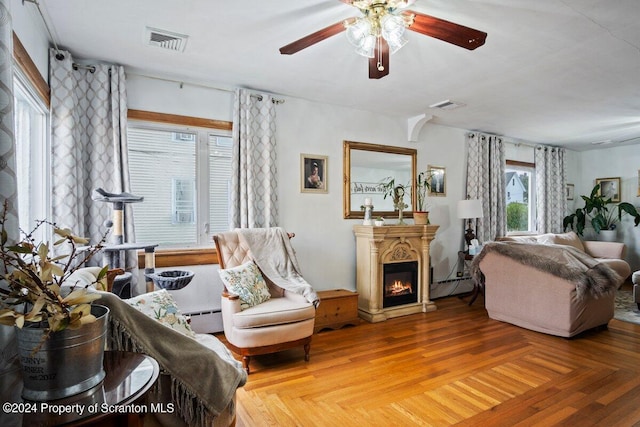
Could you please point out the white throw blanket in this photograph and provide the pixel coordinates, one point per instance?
(272, 252)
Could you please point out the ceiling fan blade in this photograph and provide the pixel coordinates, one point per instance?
(314, 38)
(380, 59)
(447, 31)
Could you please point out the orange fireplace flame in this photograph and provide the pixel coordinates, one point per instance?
(399, 288)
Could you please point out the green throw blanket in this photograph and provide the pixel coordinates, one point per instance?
(203, 382)
(590, 276)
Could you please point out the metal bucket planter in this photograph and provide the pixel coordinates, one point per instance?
(68, 362)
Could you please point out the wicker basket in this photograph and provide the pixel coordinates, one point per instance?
(171, 280)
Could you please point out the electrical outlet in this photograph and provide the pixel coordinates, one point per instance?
(459, 274)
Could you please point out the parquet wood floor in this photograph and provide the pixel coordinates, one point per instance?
(453, 366)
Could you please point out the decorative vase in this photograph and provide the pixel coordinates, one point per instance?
(420, 218)
(608, 235)
(68, 362)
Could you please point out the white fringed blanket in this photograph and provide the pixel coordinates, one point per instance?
(272, 252)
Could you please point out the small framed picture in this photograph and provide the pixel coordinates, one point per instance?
(610, 188)
(570, 190)
(313, 173)
(438, 180)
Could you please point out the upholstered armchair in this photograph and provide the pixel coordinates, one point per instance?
(282, 319)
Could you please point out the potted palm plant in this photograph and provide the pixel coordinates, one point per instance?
(423, 184)
(60, 335)
(602, 214)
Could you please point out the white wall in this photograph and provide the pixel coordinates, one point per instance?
(28, 26)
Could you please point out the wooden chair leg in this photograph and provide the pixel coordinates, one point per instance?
(245, 363)
(307, 349)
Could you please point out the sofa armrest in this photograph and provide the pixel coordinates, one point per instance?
(598, 249)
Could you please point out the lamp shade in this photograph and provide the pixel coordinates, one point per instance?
(470, 208)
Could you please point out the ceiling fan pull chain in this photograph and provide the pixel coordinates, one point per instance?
(380, 66)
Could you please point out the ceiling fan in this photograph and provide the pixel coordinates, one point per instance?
(380, 31)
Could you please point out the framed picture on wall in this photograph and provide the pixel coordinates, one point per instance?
(313, 173)
(438, 180)
(570, 191)
(610, 188)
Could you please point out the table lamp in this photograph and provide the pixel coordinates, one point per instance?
(469, 209)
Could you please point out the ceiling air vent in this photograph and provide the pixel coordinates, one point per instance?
(165, 39)
(447, 105)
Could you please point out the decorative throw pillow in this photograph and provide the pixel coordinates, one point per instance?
(247, 282)
(161, 306)
(569, 239)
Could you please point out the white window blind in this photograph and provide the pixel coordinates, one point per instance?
(183, 176)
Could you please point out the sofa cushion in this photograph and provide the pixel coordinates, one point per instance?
(161, 306)
(568, 239)
(276, 311)
(247, 282)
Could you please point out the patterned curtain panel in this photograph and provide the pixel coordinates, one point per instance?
(254, 198)
(551, 200)
(89, 146)
(485, 181)
(8, 188)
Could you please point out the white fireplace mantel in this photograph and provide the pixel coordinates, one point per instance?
(377, 246)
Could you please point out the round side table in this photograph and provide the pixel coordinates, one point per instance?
(117, 401)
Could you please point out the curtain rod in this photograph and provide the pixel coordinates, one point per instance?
(273, 100)
(517, 144)
(59, 54)
(181, 83)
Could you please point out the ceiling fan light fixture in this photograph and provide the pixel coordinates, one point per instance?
(368, 46)
(395, 43)
(391, 26)
(358, 32)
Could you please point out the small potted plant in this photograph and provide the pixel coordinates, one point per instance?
(397, 193)
(47, 321)
(423, 184)
(602, 213)
(379, 221)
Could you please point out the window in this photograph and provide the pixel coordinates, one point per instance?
(32, 154)
(184, 201)
(183, 175)
(520, 197)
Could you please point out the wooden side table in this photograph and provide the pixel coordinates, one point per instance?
(478, 288)
(338, 307)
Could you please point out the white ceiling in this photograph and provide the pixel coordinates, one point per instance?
(563, 72)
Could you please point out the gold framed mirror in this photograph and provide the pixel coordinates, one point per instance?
(366, 167)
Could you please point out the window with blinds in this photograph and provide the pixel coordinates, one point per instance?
(183, 175)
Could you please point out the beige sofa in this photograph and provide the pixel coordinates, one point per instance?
(531, 295)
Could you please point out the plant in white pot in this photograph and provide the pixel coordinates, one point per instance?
(602, 213)
(57, 334)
